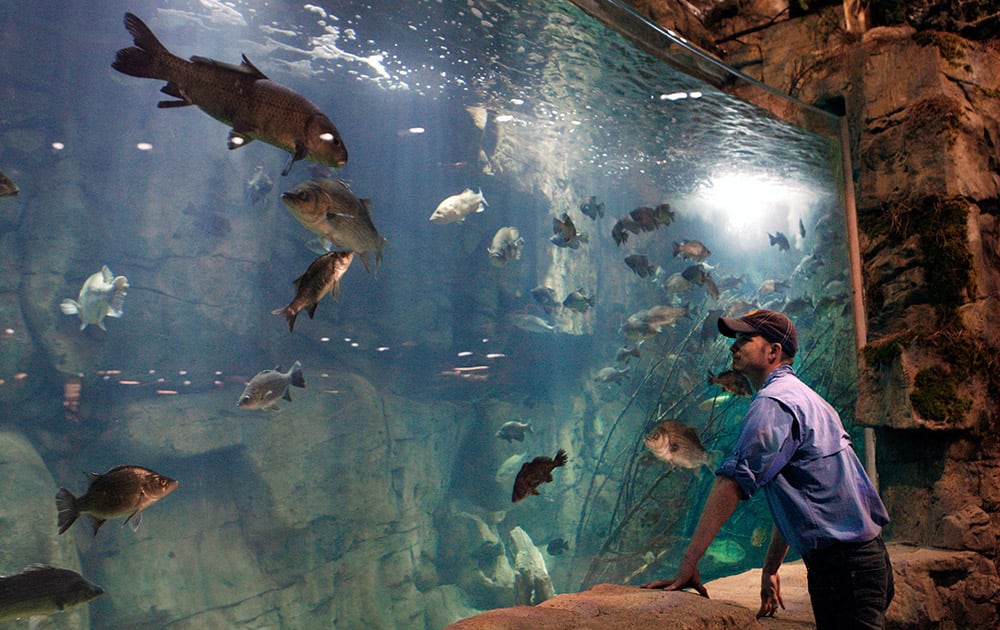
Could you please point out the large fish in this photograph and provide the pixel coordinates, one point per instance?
(242, 97)
(328, 208)
(268, 386)
(122, 491)
(322, 277)
(102, 295)
(457, 207)
(506, 246)
(535, 473)
(679, 445)
(40, 591)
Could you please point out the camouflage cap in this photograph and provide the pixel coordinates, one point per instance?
(771, 325)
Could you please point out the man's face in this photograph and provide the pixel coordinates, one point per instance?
(749, 353)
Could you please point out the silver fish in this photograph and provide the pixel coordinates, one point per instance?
(268, 386)
(457, 207)
(102, 295)
(506, 246)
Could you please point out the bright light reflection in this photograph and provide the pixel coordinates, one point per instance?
(746, 202)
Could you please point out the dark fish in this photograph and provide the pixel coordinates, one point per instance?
(677, 444)
(535, 473)
(696, 273)
(556, 546)
(711, 288)
(40, 591)
(663, 215)
(619, 233)
(322, 277)
(122, 491)
(691, 249)
(731, 282)
(780, 240)
(802, 229)
(268, 386)
(258, 186)
(639, 264)
(644, 218)
(592, 208)
(772, 286)
(564, 233)
(710, 325)
(546, 297)
(514, 430)
(240, 96)
(731, 381)
(7, 186)
(579, 301)
(329, 209)
(799, 306)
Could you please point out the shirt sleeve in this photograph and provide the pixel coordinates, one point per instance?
(766, 443)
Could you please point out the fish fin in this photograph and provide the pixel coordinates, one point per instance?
(287, 396)
(252, 68)
(238, 139)
(136, 518)
(96, 523)
(172, 104)
(140, 60)
(288, 314)
(100, 325)
(69, 307)
(301, 151)
(364, 261)
(295, 375)
(312, 310)
(66, 508)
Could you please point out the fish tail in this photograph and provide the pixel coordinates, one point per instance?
(66, 507)
(561, 458)
(69, 307)
(289, 313)
(296, 377)
(142, 59)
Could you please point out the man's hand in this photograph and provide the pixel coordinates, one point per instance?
(687, 577)
(770, 595)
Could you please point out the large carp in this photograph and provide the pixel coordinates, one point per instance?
(240, 96)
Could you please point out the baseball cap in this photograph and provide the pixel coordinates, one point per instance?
(771, 325)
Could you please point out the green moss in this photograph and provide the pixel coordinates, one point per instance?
(884, 352)
(948, 271)
(951, 47)
(935, 396)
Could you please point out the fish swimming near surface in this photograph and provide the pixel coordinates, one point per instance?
(328, 208)
(514, 430)
(258, 186)
(780, 240)
(592, 208)
(255, 107)
(678, 445)
(505, 246)
(535, 473)
(268, 386)
(579, 301)
(565, 234)
(40, 591)
(122, 491)
(457, 207)
(556, 546)
(102, 295)
(321, 278)
(7, 186)
(691, 250)
(731, 381)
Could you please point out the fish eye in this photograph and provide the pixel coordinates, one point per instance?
(326, 137)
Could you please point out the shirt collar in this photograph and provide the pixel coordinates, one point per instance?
(778, 372)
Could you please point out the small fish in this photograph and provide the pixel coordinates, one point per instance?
(625, 353)
(564, 233)
(122, 491)
(641, 266)
(258, 186)
(772, 286)
(678, 445)
(710, 325)
(780, 240)
(677, 283)
(269, 385)
(535, 473)
(240, 96)
(710, 404)
(609, 375)
(731, 381)
(663, 215)
(650, 322)
(514, 430)
(531, 323)
(9, 189)
(799, 306)
(328, 208)
(592, 208)
(691, 250)
(102, 295)
(457, 207)
(40, 591)
(725, 551)
(546, 297)
(802, 228)
(666, 315)
(731, 282)
(644, 218)
(321, 278)
(711, 288)
(556, 546)
(760, 534)
(505, 247)
(579, 301)
(696, 273)
(619, 233)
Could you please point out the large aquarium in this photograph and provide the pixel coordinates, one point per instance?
(366, 323)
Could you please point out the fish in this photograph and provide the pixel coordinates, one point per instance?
(725, 551)
(509, 467)
(678, 445)
(760, 534)
(546, 297)
(780, 240)
(556, 546)
(710, 325)
(321, 278)
(619, 232)
(268, 386)
(328, 208)
(802, 228)
(7, 186)
(578, 301)
(609, 375)
(772, 286)
(650, 322)
(663, 215)
(564, 233)
(644, 218)
(731, 381)
(506, 246)
(531, 323)
(641, 266)
(457, 207)
(41, 590)
(258, 186)
(514, 430)
(691, 250)
(698, 274)
(710, 404)
(121, 491)
(535, 473)
(102, 295)
(255, 107)
(592, 208)
(731, 282)
(677, 283)
(625, 353)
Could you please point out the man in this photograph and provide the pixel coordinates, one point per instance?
(793, 447)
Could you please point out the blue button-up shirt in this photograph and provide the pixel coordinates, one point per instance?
(793, 446)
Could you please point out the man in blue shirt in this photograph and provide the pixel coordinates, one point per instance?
(793, 447)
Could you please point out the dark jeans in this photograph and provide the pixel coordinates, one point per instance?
(850, 585)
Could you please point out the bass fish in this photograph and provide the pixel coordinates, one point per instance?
(242, 97)
(102, 295)
(322, 277)
(40, 591)
(268, 386)
(535, 473)
(122, 491)
(457, 207)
